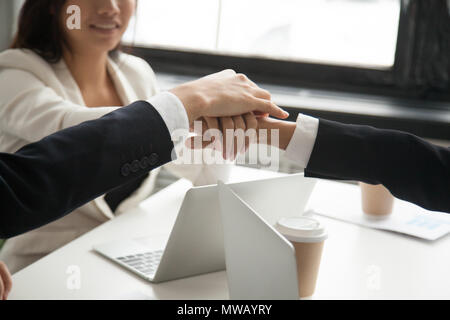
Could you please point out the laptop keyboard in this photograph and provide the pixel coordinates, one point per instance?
(145, 263)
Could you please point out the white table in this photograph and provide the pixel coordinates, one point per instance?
(357, 262)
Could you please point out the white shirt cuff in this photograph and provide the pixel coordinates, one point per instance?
(302, 143)
(171, 109)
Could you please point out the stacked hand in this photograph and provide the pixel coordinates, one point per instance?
(226, 100)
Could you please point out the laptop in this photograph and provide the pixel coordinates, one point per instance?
(196, 243)
(260, 262)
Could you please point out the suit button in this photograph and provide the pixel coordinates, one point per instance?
(135, 166)
(154, 158)
(144, 163)
(126, 169)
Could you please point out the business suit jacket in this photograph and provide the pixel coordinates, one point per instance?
(411, 168)
(48, 179)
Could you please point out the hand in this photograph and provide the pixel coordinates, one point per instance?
(225, 94)
(229, 148)
(5, 281)
(245, 122)
(286, 131)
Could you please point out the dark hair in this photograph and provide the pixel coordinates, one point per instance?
(39, 29)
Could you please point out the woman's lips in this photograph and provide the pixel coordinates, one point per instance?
(105, 28)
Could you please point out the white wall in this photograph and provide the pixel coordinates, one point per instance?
(9, 10)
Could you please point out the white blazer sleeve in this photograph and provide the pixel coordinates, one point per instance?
(32, 110)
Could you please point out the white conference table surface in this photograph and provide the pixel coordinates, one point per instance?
(357, 262)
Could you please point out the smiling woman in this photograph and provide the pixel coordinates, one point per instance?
(100, 25)
(40, 27)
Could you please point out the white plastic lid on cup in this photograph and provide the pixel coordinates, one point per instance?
(301, 229)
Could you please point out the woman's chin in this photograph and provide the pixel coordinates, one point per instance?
(105, 42)
(105, 46)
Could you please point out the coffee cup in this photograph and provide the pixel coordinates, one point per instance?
(307, 235)
(376, 200)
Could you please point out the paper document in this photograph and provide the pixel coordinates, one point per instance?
(343, 202)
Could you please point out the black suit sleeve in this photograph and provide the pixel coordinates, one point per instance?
(411, 168)
(48, 179)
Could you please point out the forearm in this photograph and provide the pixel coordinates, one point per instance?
(411, 168)
(285, 132)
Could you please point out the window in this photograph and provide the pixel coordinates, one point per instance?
(342, 32)
(390, 49)
(175, 24)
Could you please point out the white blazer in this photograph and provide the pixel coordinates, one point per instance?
(38, 99)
